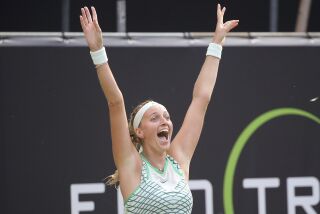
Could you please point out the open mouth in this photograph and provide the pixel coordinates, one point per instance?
(163, 134)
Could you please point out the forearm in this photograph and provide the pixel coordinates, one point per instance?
(207, 78)
(109, 85)
(93, 35)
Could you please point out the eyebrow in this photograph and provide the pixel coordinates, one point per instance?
(165, 112)
(153, 113)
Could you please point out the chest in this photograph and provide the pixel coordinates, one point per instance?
(161, 192)
(155, 198)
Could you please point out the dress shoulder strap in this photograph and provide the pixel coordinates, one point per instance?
(175, 165)
(145, 170)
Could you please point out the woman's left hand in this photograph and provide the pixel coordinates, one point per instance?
(222, 28)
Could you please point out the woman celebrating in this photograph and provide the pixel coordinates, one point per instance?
(153, 170)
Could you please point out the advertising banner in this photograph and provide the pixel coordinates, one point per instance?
(258, 152)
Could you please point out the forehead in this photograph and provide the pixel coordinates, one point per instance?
(157, 108)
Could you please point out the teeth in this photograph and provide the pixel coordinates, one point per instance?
(164, 133)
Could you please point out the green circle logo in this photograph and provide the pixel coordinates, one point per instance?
(242, 141)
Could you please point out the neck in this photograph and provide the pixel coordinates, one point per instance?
(157, 160)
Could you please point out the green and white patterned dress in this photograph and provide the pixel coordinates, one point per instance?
(160, 192)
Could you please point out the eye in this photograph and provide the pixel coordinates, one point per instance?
(166, 115)
(154, 117)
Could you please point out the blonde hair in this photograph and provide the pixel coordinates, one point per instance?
(114, 178)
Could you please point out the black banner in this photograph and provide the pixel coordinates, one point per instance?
(259, 150)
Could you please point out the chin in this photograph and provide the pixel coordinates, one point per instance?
(164, 145)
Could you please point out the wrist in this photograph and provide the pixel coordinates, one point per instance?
(214, 50)
(96, 48)
(219, 41)
(99, 56)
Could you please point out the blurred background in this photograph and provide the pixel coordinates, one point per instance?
(158, 16)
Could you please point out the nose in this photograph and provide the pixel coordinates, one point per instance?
(164, 120)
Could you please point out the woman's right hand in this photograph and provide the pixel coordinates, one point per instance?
(91, 28)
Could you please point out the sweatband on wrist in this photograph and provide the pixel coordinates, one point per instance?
(214, 50)
(99, 57)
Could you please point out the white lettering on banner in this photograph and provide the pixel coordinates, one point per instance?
(261, 184)
(208, 192)
(77, 189)
(306, 202)
(293, 201)
(194, 185)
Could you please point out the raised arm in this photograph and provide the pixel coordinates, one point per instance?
(184, 144)
(124, 152)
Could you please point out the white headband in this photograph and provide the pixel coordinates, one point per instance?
(137, 119)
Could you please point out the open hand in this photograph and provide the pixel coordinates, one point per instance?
(91, 28)
(222, 28)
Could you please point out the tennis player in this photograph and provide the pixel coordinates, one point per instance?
(152, 165)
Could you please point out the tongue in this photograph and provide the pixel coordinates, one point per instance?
(162, 138)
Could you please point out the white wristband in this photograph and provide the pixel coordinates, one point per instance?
(99, 57)
(214, 50)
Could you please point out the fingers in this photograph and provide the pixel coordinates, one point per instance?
(231, 24)
(88, 14)
(95, 17)
(228, 25)
(220, 13)
(218, 9)
(82, 22)
(84, 17)
(94, 14)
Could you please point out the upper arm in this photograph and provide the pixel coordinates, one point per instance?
(186, 140)
(122, 147)
(125, 155)
(124, 152)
